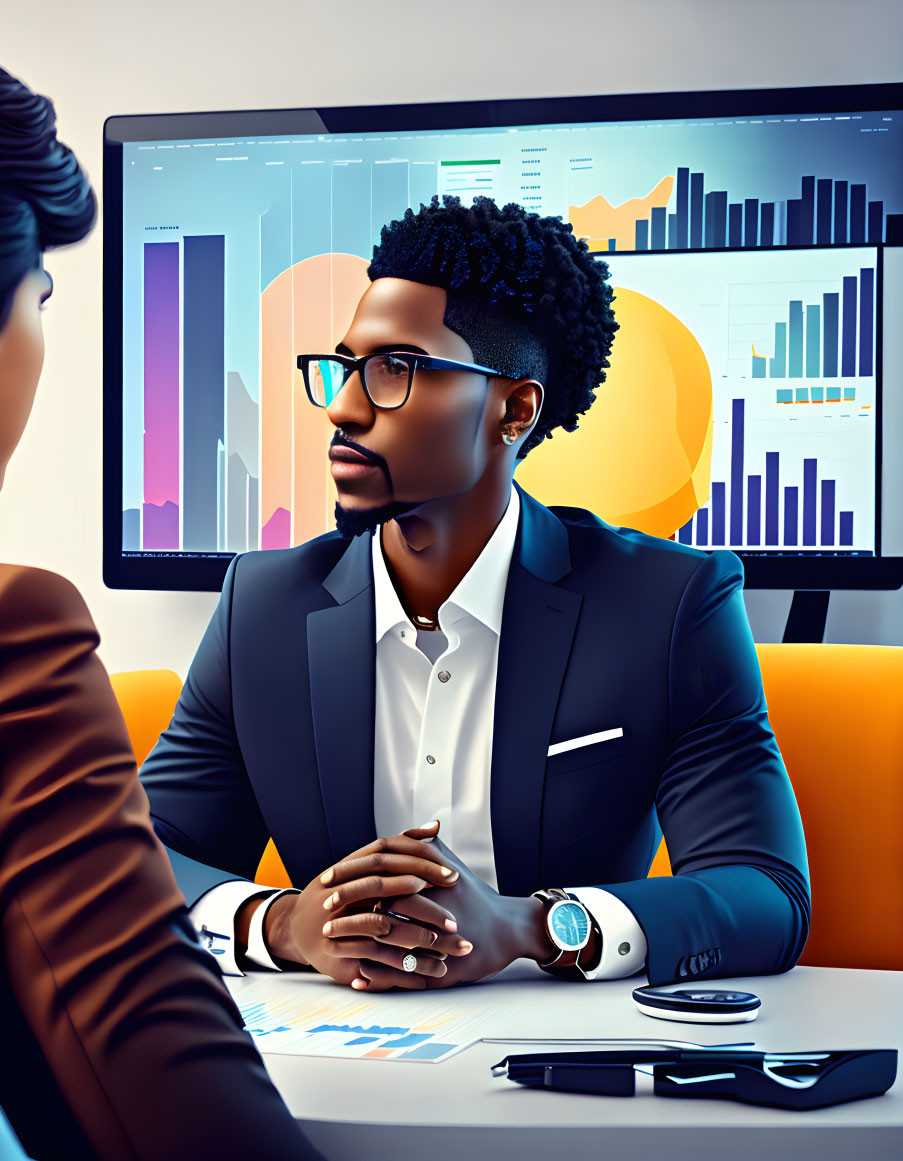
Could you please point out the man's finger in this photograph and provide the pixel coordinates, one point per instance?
(386, 928)
(420, 962)
(373, 887)
(423, 910)
(378, 977)
(400, 844)
(390, 863)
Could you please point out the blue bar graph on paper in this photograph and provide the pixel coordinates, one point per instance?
(718, 513)
(796, 339)
(772, 496)
(642, 235)
(846, 529)
(737, 437)
(685, 532)
(791, 517)
(702, 528)
(866, 320)
(813, 341)
(754, 510)
(848, 328)
(830, 319)
(672, 232)
(827, 513)
(810, 484)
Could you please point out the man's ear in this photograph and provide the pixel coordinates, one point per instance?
(523, 404)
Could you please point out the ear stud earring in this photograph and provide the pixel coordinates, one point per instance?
(510, 436)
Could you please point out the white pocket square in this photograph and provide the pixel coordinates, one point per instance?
(586, 740)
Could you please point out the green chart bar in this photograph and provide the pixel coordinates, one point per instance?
(813, 341)
(796, 339)
(779, 362)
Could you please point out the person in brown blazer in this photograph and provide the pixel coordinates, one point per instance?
(118, 1039)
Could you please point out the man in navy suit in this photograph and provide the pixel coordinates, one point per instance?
(552, 691)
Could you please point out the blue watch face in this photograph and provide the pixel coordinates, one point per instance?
(569, 924)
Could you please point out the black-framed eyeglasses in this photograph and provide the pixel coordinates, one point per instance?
(387, 378)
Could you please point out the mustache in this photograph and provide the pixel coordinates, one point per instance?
(341, 440)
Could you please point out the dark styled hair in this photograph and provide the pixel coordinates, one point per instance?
(523, 293)
(45, 199)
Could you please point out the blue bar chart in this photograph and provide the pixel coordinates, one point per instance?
(783, 478)
(762, 520)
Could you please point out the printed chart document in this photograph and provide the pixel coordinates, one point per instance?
(304, 1017)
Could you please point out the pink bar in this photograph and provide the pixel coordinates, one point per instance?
(277, 532)
(161, 394)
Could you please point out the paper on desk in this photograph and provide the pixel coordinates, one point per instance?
(427, 1027)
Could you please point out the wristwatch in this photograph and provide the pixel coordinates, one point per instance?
(569, 926)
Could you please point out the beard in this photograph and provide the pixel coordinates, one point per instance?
(354, 523)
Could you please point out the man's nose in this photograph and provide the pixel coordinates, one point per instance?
(351, 405)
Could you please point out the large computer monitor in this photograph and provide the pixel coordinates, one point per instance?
(769, 222)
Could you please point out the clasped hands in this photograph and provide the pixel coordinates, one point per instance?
(456, 927)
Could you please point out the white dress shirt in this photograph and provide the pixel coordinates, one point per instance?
(435, 699)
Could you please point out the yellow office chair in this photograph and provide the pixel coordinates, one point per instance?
(837, 713)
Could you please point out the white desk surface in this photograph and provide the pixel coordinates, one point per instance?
(377, 1109)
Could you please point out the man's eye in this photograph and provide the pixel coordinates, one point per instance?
(397, 366)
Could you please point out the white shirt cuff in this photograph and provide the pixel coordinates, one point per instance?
(214, 915)
(623, 942)
(258, 953)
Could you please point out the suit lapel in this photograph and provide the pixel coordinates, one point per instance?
(342, 662)
(538, 624)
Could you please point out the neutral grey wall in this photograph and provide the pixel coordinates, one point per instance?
(115, 56)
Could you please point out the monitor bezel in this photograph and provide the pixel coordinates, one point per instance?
(205, 572)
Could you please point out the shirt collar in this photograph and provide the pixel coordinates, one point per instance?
(480, 592)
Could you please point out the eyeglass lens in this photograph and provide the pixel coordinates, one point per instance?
(386, 380)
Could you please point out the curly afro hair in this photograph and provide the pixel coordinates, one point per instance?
(523, 293)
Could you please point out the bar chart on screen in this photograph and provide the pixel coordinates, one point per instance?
(790, 340)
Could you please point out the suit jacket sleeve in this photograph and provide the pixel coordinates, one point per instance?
(99, 966)
(738, 901)
(202, 804)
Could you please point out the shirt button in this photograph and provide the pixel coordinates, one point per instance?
(431, 759)
(444, 675)
(402, 632)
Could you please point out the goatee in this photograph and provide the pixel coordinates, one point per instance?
(354, 523)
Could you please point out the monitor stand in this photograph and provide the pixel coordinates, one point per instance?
(807, 617)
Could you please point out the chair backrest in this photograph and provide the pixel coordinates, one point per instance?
(837, 715)
(147, 698)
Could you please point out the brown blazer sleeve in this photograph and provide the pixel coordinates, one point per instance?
(97, 955)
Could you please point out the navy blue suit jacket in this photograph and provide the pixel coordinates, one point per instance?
(602, 627)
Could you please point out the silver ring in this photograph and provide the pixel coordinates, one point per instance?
(409, 963)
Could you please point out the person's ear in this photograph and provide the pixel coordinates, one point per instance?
(522, 407)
